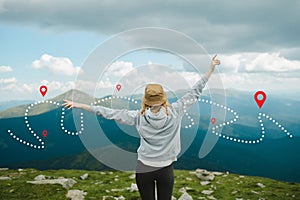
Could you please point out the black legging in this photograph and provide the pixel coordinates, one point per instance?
(164, 178)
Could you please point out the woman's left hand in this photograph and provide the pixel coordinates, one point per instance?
(215, 61)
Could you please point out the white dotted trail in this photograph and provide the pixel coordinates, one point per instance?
(214, 128)
(217, 126)
(30, 129)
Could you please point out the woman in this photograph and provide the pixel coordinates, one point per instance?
(158, 124)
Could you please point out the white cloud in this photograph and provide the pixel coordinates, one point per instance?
(16, 90)
(58, 86)
(57, 65)
(8, 80)
(5, 69)
(272, 62)
(258, 63)
(119, 68)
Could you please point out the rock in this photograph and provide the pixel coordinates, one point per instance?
(211, 197)
(188, 179)
(182, 190)
(68, 183)
(20, 170)
(116, 190)
(107, 197)
(206, 177)
(40, 177)
(132, 176)
(4, 169)
(234, 192)
(76, 194)
(173, 198)
(217, 173)
(204, 182)
(65, 182)
(261, 185)
(84, 176)
(134, 187)
(120, 198)
(185, 196)
(4, 178)
(208, 192)
(185, 189)
(238, 198)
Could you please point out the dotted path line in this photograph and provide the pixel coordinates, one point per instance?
(30, 129)
(214, 128)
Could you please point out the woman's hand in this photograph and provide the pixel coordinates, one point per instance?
(215, 61)
(213, 64)
(69, 104)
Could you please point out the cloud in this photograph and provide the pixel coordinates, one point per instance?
(272, 62)
(8, 80)
(119, 68)
(57, 65)
(5, 69)
(19, 90)
(226, 26)
(253, 62)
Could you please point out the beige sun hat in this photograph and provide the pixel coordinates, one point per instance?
(154, 95)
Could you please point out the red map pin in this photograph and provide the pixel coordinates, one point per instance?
(118, 86)
(45, 133)
(213, 120)
(260, 98)
(43, 90)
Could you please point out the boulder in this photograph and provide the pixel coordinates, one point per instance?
(205, 177)
(211, 197)
(185, 196)
(208, 192)
(65, 182)
(4, 178)
(40, 177)
(132, 176)
(134, 188)
(76, 194)
(84, 176)
(204, 182)
(261, 185)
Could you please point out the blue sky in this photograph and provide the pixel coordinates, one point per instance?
(46, 42)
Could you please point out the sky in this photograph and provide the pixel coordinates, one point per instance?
(46, 42)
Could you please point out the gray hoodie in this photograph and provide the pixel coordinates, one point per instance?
(160, 133)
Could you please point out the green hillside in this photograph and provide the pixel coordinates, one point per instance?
(119, 185)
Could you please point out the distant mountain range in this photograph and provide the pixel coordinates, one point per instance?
(275, 157)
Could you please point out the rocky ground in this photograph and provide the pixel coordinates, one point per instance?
(114, 185)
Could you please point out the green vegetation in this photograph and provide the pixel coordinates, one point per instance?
(116, 184)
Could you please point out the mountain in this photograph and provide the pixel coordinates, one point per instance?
(275, 157)
(19, 111)
(13, 103)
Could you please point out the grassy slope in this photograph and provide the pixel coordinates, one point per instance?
(100, 184)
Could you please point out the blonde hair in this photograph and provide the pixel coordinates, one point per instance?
(145, 106)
